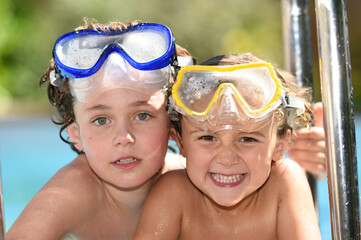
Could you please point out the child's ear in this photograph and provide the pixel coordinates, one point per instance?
(74, 135)
(281, 147)
(174, 135)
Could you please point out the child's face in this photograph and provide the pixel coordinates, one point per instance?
(124, 134)
(229, 165)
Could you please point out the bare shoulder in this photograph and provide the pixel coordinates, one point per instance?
(173, 181)
(287, 170)
(290, 179)
(170, 188)
(164, 207)
(65, 198)
(287, 177)
(177, 175)
(75, 181)
(76, 176)
(296, 213)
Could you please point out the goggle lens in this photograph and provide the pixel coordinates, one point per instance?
(145, 47)
(255, 89)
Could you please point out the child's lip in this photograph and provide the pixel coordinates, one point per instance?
(227, 180)
(127, 162)
(125, 157)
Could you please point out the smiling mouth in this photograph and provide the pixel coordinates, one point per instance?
(126, 161)
(225, 179)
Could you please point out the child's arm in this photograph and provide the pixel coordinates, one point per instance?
(296, 214)
(54, 210)
(162, 212)
(45, 217)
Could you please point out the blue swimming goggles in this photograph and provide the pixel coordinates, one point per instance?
(146, 46)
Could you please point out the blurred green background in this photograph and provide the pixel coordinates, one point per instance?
(205, 27)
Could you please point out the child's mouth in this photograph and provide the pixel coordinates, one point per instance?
(227, 180)
(126, 161)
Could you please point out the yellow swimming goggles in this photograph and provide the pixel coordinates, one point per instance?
(247, 91)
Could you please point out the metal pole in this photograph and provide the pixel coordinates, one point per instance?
(298, 51)
(336, 89)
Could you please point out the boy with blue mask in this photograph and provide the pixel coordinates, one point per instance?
(109, 84)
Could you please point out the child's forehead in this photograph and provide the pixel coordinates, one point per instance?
(129, 97)
(228, 127)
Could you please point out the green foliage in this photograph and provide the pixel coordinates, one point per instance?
(206, 28)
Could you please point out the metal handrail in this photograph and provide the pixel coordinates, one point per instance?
(298, 52)
(336, 86)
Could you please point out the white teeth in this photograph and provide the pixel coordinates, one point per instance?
(125, 161)
(227, 179)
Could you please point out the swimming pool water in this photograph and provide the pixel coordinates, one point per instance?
(31, 152)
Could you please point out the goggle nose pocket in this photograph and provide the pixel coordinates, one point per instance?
(226, 105)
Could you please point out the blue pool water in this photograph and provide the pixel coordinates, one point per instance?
(31, 152)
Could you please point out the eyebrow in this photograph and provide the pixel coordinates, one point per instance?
(101, 107)
(201, 130)
(257, 134)
(139, 103)
(97, 108)
(242, 132)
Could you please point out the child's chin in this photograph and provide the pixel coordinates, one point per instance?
(227, 203)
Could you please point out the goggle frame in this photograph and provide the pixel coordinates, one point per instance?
(249, 111)
(168, 58)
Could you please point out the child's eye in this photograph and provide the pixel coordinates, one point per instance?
(143, 116)
(248, 139)
(208, 138)
(101, 121)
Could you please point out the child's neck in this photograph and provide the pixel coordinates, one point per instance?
(241, 206)
(130, 199)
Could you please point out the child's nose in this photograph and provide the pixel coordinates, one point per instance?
(227, 157)
(123, 136)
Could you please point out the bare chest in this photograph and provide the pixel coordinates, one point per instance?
(256, 221)
(106, 225)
